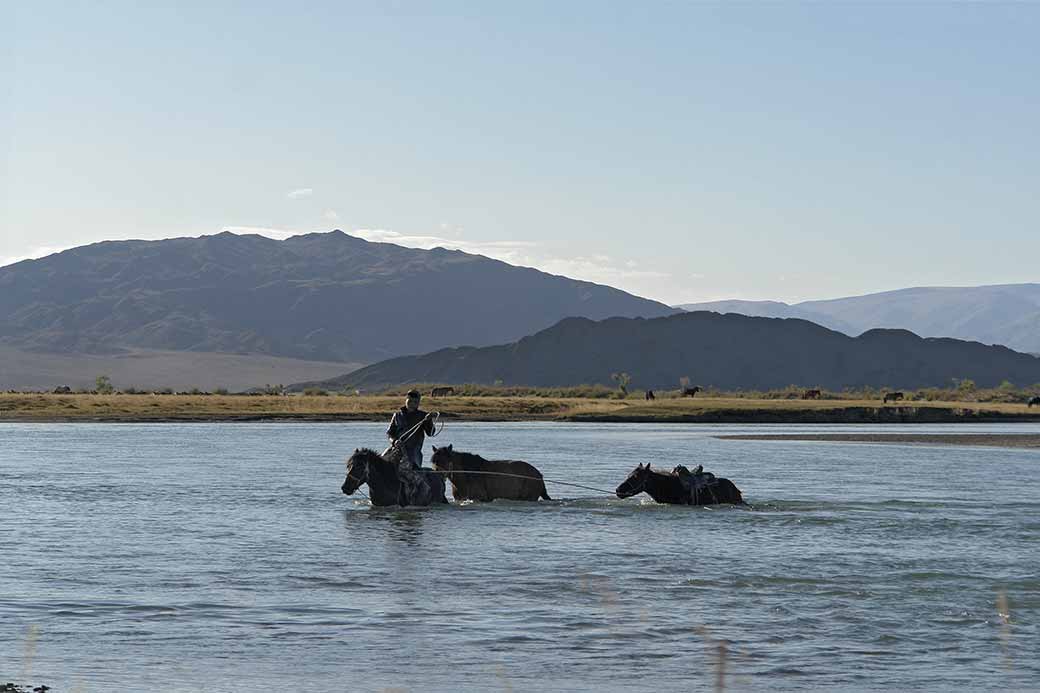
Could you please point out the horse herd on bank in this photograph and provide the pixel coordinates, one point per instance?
(474, 478)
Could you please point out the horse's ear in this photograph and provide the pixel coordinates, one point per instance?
(435, 448)
(357, 450)
(449, 447)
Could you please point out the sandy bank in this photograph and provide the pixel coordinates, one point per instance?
(995, 440)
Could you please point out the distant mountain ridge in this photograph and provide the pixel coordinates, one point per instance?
(319, 296)
(1007, 314)
(727, 351)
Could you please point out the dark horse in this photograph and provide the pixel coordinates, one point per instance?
(474, 478)
(1034, 400)
(691, 391)
(384, 484)
(811, 394)
(680, 487)
(892, 397)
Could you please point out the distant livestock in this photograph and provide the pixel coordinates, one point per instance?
(690, 391)
(650, 395)
(1034, 400)
(442, 391)
(811, 394)
(892, 397)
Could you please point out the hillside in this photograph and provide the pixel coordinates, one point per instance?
(1007, 314)
(319, 297)
(725, 351)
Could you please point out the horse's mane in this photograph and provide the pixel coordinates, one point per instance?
(369, 452)
(467, 456)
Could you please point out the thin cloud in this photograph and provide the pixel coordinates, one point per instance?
(300, 194)
(276, 234)
(35, 254)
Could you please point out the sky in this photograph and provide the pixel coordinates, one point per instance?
(681, 151)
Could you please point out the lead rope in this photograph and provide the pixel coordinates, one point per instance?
(521, 476)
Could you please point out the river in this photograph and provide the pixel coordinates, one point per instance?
(223, 557)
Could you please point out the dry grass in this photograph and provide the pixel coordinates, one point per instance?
(85, 407)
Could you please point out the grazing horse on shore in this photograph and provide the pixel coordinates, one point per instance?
(811, 394)
(650, 395)
(474, 478)
(385, 485)
(691, 391)
(1034, 400)
(680, 487)
(892, 397)
(442, 391)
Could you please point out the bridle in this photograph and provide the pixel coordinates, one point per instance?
(642, 485)
(360, 480)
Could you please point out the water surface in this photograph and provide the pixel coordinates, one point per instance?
(178, 557)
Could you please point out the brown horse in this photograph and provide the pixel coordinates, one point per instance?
(691, 391)
(474, 478)
(680, 487)
(442, 391)
(811, 394)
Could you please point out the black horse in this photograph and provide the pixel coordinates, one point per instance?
(680, 487)
(385, 485)
(1033, 400)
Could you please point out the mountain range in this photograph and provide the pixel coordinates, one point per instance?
(320, 297)
(1007, 314)
(727, 351)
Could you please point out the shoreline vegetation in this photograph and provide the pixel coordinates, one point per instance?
(168, 408)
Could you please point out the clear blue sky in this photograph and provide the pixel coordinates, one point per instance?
(681, 151)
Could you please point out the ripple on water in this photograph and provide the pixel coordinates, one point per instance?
(238, 554)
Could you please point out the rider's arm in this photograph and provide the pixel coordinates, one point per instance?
(394, 429)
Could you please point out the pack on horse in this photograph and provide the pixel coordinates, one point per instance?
(474, 478)
(680, 486)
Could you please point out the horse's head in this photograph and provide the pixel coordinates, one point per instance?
(357, 471)
(441, 457)
(635, 483)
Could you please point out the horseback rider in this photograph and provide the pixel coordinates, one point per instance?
(407, 417)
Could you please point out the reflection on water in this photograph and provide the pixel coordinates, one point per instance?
(146, 563)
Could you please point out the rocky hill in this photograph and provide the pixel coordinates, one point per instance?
(727, 351)
(322, 296)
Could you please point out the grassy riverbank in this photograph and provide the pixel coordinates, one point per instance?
(161, 408)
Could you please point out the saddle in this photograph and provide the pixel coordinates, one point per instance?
(696, 482)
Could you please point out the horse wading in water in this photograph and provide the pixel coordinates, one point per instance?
(507, 479)
(680, 487)
(392, 481)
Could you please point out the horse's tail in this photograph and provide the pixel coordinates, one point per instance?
(544, 493)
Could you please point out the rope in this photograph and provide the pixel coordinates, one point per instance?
(521, 476)
(404, 437)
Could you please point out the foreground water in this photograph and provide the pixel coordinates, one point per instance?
(224, 557)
